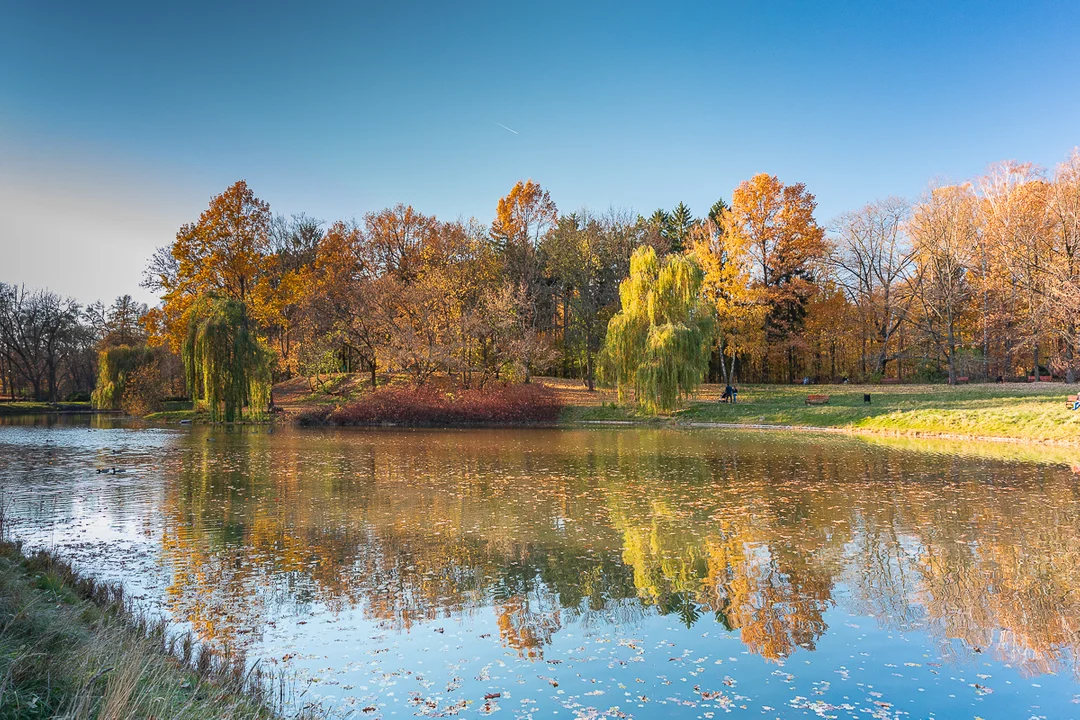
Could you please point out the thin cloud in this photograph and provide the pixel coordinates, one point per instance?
(506, 128)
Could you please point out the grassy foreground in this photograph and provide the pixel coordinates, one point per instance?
(70, 648)
(1032, 412)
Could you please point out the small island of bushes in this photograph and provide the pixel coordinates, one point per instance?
(430, 406)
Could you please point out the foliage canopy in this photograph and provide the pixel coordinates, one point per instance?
(115, 366)
(226, 366)
(659, 342)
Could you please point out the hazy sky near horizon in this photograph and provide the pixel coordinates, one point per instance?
(119, 120)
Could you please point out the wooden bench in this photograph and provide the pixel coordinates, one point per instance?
(890, 381)
(1070, 401)
(817, 399)
(1043, 378)
(962, 380)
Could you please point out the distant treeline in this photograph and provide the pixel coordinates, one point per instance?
(979, 279)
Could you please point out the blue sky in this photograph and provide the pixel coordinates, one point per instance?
(118, 121)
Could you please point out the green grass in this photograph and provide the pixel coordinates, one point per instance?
(31, 407)
(1022, 412)
(69, 647)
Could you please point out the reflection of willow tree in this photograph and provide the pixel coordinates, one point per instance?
(757, 555)
(588, 526)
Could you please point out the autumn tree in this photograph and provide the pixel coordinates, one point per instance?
(588, 256)
(518, 345)
(872, 260)
(469, 271)
(658, 343)
(285, 281)
(342, 305)
(943, 230)
(1016, 226)
(786, 246)
(726, 285)
(398, 238)
(222, 253)
(522, 218)
(1063, 270)
(424, 309)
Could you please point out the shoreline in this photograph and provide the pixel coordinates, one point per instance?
(73, 646)
(868, 432)
(1003, 414)
(293, 420)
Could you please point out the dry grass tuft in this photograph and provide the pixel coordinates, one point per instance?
(74, 648)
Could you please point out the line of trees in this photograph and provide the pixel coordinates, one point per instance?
(405, 292)
(978, 279)
(49, 344)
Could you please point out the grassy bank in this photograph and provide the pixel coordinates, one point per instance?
(1030, 412)
(31, 407)
(70, 647)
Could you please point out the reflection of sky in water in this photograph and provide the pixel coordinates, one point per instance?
(594, 573)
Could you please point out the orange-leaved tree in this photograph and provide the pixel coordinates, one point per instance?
(220, 254)
(786, 246)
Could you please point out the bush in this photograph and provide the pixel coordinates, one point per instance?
(114, 366)
(426, 406)
(144, 392)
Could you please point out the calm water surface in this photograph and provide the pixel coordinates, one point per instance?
(583, 573)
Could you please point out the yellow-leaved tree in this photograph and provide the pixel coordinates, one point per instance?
(659, 342)
(740, 315)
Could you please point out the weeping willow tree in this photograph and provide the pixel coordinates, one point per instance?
(226, 367)
(659, 342)
(115, 365)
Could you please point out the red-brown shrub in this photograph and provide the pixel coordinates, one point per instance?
(494, 405)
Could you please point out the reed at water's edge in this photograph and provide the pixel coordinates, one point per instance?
(73, 647)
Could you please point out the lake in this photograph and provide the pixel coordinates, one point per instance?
(583, 573)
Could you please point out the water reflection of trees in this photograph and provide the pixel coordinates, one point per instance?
(761, 535)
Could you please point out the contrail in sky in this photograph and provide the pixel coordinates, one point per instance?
(505, 128)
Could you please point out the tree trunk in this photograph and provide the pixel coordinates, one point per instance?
(986, 334)
(952, 355)
(1070, 356)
